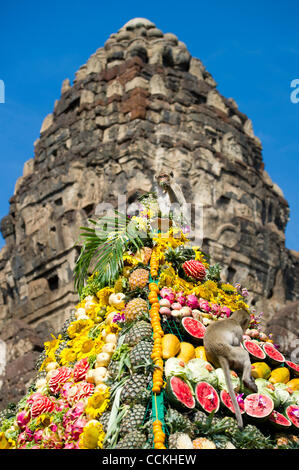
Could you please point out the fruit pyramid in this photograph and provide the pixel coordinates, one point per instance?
(128, 369)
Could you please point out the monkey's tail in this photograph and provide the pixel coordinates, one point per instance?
(225, 367)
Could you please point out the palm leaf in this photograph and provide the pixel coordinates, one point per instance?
(103, 245)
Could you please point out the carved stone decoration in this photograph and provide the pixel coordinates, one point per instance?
(140, 104)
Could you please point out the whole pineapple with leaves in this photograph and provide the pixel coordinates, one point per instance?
(141, 353)
(179, 422)
(133, 419)
(139, 278)
(177, 256)
(133, 440)
(135, 389)
(135, 308)
(139, 331)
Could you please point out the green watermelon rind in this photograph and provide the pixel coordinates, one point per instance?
(277, 425)
(271, 360)
(199, 405)
(293, 371)
(225, 407)
(259, 418)
(190, 336)
(252, 356)
(172, 397)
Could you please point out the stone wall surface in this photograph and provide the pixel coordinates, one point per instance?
(141, 103)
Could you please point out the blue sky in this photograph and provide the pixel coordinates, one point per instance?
(251, 48)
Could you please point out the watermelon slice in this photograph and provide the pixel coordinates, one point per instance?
(273, 355)
(279, 421)
(193, 329)
(206, 397)
(179, 394)
(293, 368)
(292, 412)
(258, 407)
(226, 401)
(255, 351)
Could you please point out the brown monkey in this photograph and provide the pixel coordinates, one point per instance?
(170, 196)
(222, 346)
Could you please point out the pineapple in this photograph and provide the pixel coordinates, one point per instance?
(139, 331)
(203, 443)
(40, 360)
(138, 278)
(179, 440)
(65, 326)
(133, 440)
(60, 348)
(132, 419)
(141, 353)
(178, 422)
(104, 419)
(135, 389)
(135, 308)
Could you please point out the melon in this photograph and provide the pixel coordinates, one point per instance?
(273, 355)
(227, 403)
(206, 397)
(292, 413)
(180, 394)
(293, 368)
(258, 407)
(193, 329)
(279, 421)
(255, 351)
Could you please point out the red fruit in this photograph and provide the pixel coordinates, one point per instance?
(59, 378)
(194, 268)
(41, 404)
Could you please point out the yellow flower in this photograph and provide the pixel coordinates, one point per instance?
(6, 443)
(91, 435)
(43, 420)
(51, 346)
(103, 296)
(82, 345)
(97, 404)
(98, 344)
(67, 356)
(79, 327)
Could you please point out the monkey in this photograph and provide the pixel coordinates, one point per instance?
(222, 347)
(171, 198)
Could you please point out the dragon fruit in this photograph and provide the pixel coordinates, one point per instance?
(192, 301)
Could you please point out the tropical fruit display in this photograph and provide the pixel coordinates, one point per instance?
(129, 370)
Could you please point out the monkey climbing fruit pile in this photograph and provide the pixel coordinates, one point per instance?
(129, 369)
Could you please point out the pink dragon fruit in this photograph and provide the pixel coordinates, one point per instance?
(226, 311)
(192, 301)
(204, 305)
(180, 297)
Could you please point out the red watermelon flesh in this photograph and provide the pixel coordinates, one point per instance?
(194, 329)
(294, 368)
(279, 420)
(207, 397)
(275, 356)
(182, 392)
(292, 412)
(258, 406)
(254, 350)
(227, 401)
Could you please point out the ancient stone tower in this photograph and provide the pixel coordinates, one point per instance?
(140, 103)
